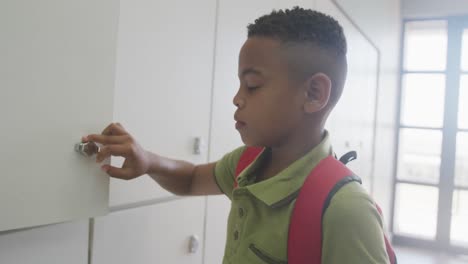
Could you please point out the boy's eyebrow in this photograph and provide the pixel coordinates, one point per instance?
(250, 71)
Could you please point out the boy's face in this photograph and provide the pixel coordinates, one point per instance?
(269, 104)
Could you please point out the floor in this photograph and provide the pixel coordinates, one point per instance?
(417, 256)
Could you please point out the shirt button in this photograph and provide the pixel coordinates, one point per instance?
(236, 235)
(241, 212)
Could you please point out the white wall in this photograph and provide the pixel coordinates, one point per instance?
(433, 8)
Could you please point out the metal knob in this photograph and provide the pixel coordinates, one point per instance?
(199, 146)
(87, 149)
(194, 244)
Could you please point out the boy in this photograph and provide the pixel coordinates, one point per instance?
(292, 70)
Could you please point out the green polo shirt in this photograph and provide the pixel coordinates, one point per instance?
(260, 212)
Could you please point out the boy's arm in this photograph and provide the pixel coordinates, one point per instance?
(176, 176)
(183, 178)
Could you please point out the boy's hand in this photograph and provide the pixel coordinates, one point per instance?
(116, 141)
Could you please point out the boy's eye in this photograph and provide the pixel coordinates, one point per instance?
(251, 88)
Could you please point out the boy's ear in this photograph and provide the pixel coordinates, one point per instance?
(317, 92)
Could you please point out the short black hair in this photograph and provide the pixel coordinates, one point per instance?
(299, 25)
(300, 31)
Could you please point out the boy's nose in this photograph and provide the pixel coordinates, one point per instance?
(238, 102)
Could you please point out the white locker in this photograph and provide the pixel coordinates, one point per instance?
(233, 18)
(160, 233)
(163, 84)
(216, 222)
(352, 122)
(52, 244)
(57, 78)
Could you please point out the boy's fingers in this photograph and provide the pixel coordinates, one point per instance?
(111, 150)
(112, 134)
(114, 129)
(120, 173)
(106, 140)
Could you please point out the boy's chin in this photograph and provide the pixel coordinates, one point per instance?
(253, 144)
(250, 142)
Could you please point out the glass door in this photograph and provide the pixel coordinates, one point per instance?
(431, 183)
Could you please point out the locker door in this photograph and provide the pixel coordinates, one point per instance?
(56, 77)
(159, 233)
(51, 244)
(163, 84)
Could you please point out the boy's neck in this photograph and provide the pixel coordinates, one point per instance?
(283, 156)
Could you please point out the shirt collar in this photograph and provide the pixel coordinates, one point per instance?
(284, 186)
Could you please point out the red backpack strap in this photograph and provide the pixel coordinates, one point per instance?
(305, 228)
(247, 157)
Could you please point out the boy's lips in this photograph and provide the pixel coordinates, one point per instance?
(239, 124)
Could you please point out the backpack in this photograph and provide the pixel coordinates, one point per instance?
(305, 244)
